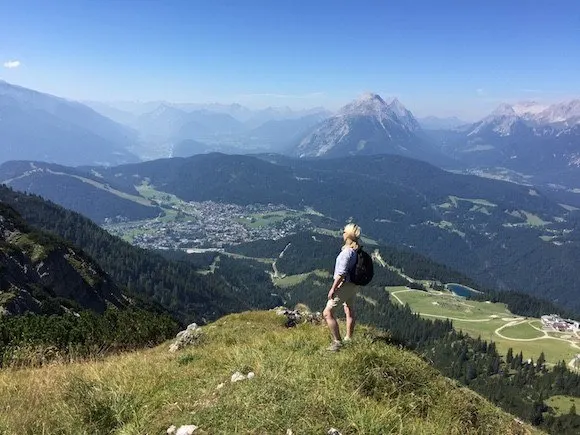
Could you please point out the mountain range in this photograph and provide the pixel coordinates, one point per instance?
(216, 127)
(536, 142)
(39, 126)
(437, 123)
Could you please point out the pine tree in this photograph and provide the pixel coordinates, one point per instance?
(510, 356)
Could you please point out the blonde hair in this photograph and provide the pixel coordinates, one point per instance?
(352, 232)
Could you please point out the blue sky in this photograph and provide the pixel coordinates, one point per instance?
(439, 57)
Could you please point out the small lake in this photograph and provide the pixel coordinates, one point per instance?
(461, 290)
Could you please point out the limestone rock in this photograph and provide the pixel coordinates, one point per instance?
(188, 337)
(186, 430)
(294, 317)
(237, 376)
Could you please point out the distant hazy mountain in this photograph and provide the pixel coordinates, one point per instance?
(260, 117)
(278, 135)
(169, 123)
(538, 140)
(213, 124)
(436, 123)
(251, 117)
(162, 123)
(235, 110)
(118, 115)
(366, 126)
(40, 126)
(189, 147)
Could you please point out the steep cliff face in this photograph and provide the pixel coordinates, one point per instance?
(41, 273)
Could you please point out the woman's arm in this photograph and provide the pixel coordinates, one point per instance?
(335, 285)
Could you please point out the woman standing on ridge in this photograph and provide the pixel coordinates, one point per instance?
(342, 290)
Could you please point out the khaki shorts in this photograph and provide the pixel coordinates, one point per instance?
(345, 295)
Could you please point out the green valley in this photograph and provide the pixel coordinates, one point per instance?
(492, 322)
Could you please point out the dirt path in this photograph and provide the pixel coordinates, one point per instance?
(377, 256)
(274, 267)
(456, 318)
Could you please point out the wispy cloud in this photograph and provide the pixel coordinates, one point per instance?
(284, 96)
(12, 64)
(533, 91)
(480, 92)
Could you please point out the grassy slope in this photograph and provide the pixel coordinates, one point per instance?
(368, 388)
(562, 404)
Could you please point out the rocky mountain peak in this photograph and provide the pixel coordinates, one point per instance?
(371, 96)
(368, 104)
(503, 110)
(566, 112)
(367, 125)
(528, 108)
(398, 107)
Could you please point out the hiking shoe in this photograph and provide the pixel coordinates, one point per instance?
(334, 347)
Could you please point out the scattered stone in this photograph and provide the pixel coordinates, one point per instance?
(294, 317)
(237, 376)
(171, 429)
(281, 310)
(333, 431)
(220, 386)
(188, 337)
(289, 432)
(186, 430)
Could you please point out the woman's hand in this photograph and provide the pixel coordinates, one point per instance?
(331, 294)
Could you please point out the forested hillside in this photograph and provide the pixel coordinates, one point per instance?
(176, 285)
(56, 303)
(501, 235)
(42, 273)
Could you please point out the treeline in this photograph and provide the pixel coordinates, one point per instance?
(308, 251)
(32, 339)
(522, 304)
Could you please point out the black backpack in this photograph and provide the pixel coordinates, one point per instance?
(363, 270)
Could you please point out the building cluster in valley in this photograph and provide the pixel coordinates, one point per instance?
(201, 225)
(557, 323)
